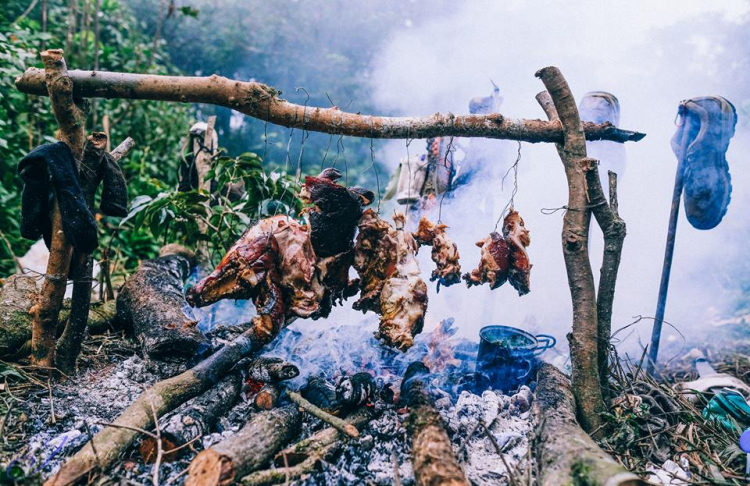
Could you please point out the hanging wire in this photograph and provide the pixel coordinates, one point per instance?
(513, 168)
(325, 155)
(375, 169)
(303, 138)
(408, 165)
(445, 163)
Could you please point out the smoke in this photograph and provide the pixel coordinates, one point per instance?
(651, 56)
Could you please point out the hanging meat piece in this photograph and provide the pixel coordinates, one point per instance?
(504, 258)
(403, 300)
(296, 270)
(518, 238)
(493, 262)
(335, 212)
(444, 252)
(248, 271)
(333, 222)
(375, 258)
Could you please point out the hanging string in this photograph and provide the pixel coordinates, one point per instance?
(375, 169)
(303, 138)
(408, 165)
(510, 204)
(549, 211)
(305, 135)
(450, 169)
(325, 155)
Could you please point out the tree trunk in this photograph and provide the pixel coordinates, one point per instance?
(195, 420)
(161, 398)
(69, 344)
(247, 450)
(432, 452)
(153, 303)
(262, 102)
(565, 453)
(584, 338)
(71, 119)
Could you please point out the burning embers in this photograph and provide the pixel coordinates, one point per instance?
(504, 257)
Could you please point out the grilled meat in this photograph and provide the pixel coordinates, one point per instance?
(403, 300)
(375, 257)
(444, 252)
(493, 262)
(503, 257)
(336, 211)
(518, 238)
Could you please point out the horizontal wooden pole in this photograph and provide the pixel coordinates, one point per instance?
(261, 101)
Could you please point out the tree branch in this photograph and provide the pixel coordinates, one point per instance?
(71, 119)
(584, 337)
(262, 102)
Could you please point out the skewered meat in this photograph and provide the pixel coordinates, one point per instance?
(403, 300)
(518, 238)
(444, 252)
(504, 258)
(375, 256)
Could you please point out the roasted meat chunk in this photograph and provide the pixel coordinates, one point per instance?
(444, 252)
(335, 212)
(403, 300)
(390, 281)
(518, 238)
(375, 257)
(504, 258)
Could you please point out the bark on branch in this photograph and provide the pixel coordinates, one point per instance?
(584, 336)
(565, 453)
(71, 119)
(263, 102)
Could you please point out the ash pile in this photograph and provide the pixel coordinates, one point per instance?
(354, 420)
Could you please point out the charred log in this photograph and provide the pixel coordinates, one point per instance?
(152, 303)
(356, 390)
(197, 418)
(565, 452)
(322, 393)
(106, 446)
(267, 396)
(268, 369)
(433, 459)
(304, 457)
(247, 450)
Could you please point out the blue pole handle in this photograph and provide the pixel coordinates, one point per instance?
(545, 342)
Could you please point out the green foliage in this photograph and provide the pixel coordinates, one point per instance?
(26, 121)
(174, 216)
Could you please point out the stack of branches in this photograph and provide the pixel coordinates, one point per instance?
(649, 423)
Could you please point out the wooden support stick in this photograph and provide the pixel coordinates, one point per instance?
(332, 420)
(71, 118)
(583, 339)
(262, 102)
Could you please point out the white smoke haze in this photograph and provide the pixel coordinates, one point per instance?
(636, 51)
(651, 55)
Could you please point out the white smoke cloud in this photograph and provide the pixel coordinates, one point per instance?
(651, 56)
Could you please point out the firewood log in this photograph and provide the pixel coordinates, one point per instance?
(17, 296)
(565, 452)
(267, 397)
(194, 420)
(110, 443)
(432, 453)
(268, 369)
(303, 457)
(247, 450)
(153, 304)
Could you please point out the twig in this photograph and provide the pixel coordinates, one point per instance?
(396, 473)
(332, 420)
(159, 449)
